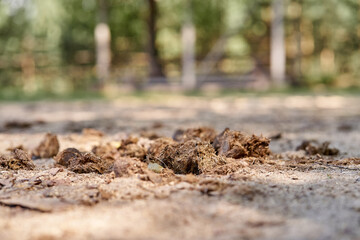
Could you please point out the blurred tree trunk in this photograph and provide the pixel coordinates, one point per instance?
(278, 57)
(28, 66)
(188, 37)
(103, 41)
(28, 69)
(298, 57)
(156, 73)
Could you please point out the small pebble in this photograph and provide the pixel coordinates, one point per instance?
(155, 167)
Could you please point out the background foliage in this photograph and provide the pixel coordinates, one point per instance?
(49, 45)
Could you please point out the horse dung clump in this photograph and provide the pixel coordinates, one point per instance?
(201, 150)
(201, 134)
(125, 166)
(158, 146)
(130, 147)
(87, 162)
(191, 151)
(18, 159)
(313, 147)
(234, 144)
(48, 147)
(189, 157)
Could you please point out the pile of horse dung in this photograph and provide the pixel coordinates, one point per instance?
(191, 151)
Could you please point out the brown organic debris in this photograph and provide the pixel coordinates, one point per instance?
(189, 157)
(231, 166)
(200, 134)
(345, 128)
(18, 159)
(313, 147)
(157, 147)
(157, 125)
(91, 132)
(49, 147)
(87, 162)
(128, 167)
(130, 147)
(348, 161)
(21, 147)
(68, 156)
(125, 167)
(38, 204)
(276, 136)
(213, 186)
(18, 124)
(105, 151)
(149, 135)
(234, 144)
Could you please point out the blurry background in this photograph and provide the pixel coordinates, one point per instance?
(68, 46)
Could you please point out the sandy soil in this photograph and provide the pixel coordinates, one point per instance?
(290, 195)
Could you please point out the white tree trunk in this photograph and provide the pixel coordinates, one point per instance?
(278, 57)
(103, 41)
(188, 38)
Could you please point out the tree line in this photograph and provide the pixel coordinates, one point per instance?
(66, 45)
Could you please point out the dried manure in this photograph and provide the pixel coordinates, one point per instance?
(125, 167)
(91, 132)
(189, 157)
(313, 147)
(191, 151)
(158, 146)
(130, 147)
(49, 147)
(106, 151)
(200, 134)
(234, 144)
(87, 162)
(18, 159)
(195, 150)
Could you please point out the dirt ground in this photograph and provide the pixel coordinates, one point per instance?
(289, 194)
